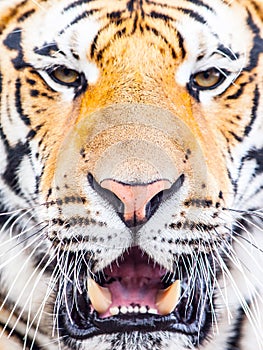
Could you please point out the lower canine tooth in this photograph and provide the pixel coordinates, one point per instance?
(167, 299)
(100, 297)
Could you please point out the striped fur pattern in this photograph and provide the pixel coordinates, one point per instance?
(131, 93)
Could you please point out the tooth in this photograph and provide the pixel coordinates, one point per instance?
(100, 297)
(124, 310)
(167, 299)
(136, 309)
(130, 309)
(114, 310)
(152, 311)
(143, 310)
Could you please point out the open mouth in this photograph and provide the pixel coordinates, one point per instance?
(134, 293)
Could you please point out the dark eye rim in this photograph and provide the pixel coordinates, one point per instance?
(222, 77)
(81, 81)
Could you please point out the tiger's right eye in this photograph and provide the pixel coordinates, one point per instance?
(66, 76)
(209, 79)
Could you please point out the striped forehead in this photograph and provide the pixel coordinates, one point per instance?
(74, 25)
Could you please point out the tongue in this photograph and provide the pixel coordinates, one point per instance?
(134, 281)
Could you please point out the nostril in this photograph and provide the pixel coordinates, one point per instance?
(106, 194)
(153, 205)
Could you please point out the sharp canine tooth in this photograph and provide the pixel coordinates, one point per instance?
(167, 299)
(100, 297)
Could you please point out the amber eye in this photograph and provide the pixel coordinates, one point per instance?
(66, 76)
(208, 79)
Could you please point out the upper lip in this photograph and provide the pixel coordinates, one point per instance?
(191, 316)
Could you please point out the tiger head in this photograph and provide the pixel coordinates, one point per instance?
(131, 174)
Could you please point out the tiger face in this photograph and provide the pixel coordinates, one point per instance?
(131, 174)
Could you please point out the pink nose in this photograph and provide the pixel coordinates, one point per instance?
(139, 202)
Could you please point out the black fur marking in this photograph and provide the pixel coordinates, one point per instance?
(202, 4)
(18, 103)
(236, 137)
(158, 34)
(79, 18)
(13, 42)
(15, 156)
(193, 91)
(193, 14)
(256, 100)
(239, 92)
(234, 340)
(233, 182)
(229, 53)
(76, 3)
(195, 2)
(34, 93)
(130, 5)
(257, 47)
(19, 337)
(256, 154)
(181, 44)
(26, 15)
(47, 49)
(162, 16)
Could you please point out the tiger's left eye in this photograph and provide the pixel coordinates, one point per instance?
(208, 79)
(65, 76)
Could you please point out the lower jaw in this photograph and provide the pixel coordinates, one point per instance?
(77, 319)
(93, 325)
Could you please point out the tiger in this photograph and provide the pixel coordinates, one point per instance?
(131, 174)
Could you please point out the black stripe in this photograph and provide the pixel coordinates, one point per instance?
(238, 138)
(79, 18)
(256, 99)
(13, 42)
(4, 139)
(257, 155)
(229, 53)
(117, 35)
(17, 336)
(258, 44)
(158, 34)
(26, 15)
(234, 183)
(239, 92)
(181, 44)
(233, 342)
(15, 9)
(77, 3)
(18, 103)
(162, 16)
(202, 4)
(15, 156)
(130, 5)
(195, 2)
(47, 49)
(193, 14)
